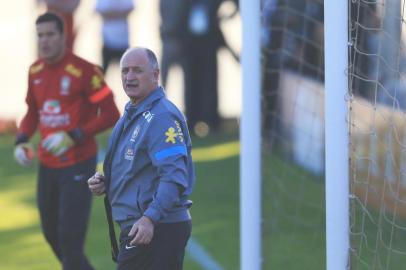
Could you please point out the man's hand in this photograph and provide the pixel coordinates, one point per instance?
(58, 143)
(96, 184)
(143, 231)
(24, 154)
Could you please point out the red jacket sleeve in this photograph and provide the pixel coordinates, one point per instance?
(29, 122)
(99, 95)
(108, 115)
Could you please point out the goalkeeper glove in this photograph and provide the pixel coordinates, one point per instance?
(58, 143)
(24, 154)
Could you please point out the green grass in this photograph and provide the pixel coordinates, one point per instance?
(215, 212)
(292, 205)
(378, 239)
(293, 216)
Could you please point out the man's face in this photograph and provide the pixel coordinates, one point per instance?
(50, 42)
(139, 78)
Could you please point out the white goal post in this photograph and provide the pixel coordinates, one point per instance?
(250, 172)
(336, 134)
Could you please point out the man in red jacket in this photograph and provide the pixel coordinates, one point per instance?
(69, 102)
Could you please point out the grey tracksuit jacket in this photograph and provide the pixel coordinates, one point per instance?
(148, 166)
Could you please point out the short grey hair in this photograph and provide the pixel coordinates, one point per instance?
(152, 59)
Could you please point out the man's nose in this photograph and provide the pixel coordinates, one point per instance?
(42, 40)
(131, 75)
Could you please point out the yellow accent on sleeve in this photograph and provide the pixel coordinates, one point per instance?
(96, 82)
(171, 135)
(36, 68)
(71, 69)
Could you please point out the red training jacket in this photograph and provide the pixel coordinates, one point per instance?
(63, 96)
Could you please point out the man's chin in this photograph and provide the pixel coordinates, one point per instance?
(132, 97)
(131, 93)
(46, 56)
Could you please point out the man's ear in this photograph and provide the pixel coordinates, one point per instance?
(156, 76)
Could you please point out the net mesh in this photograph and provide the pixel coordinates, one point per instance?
(292, 135)
(377, 135)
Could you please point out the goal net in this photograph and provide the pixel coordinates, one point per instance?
(377, 103)
(293, 211)
(293, 192)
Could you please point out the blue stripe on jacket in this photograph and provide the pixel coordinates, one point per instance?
(170, 152)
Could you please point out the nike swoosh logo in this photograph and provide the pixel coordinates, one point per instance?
(129, 247)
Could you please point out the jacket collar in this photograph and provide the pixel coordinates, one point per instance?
(66, 55)
(145, 105)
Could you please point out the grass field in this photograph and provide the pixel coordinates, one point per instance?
(293, 212)
(293, 216)
(292, 205)
(215, 210)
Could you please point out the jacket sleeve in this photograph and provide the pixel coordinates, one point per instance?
(108, 115)
(99, 95)
(168, 152)
(29, 122)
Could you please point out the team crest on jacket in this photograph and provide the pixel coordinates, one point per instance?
(129, 154)
(135, 133)
(65, 85)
